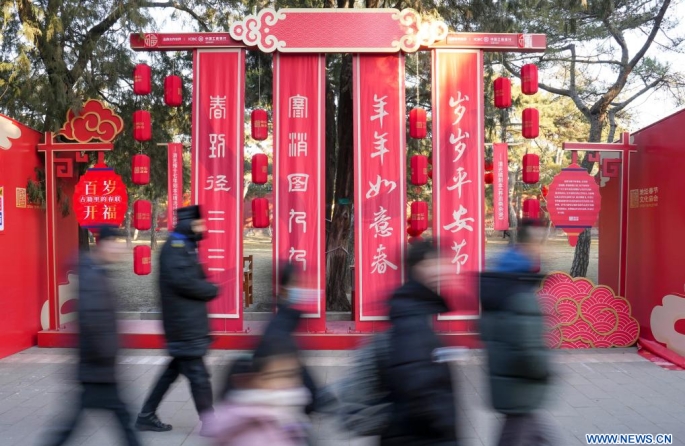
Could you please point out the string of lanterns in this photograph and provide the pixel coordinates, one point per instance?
(417, 223)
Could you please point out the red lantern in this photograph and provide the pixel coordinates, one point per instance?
(502, 92)
(260, 213)
(489, 165)
(142, 215)
(140, 169)
(529, 79)
(100, 198)
(531, 168)
(413, 232)
(142, 126)
(260, 168)
(419, 170)
(260, 124)
(544, 190)
(417, 123)
(173, 91)
(142, 260)
(142, 79)
(489, 178)
(419, 216)
(531, 123)
(531, 209)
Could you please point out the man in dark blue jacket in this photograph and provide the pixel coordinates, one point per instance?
(185, 292)
(512, 329)
(98, 339)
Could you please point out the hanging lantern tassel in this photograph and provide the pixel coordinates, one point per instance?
(531, 123)
(531, 168)
(419, 216)
(140, 170)
(489, 178)
(529, 79)
(142, 260)
(260, 168)
(142, 79)
(260, 213)
(419, 170)
(173, 91)
(417, 123)
(502, 87)
(260, 124)
(142, 215)
(142, 125)
(531, 209)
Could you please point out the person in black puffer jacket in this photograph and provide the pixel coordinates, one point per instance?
(512, 329)
(185, 292)
(423, 400)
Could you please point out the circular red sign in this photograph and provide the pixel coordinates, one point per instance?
(573, 201)
(100, 198)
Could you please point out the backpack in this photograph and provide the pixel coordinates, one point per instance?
(364, 404)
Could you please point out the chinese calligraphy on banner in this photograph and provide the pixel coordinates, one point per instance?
(175, 182)
(458, 151)
(299, 175)
(500, 186)
(218, 115)
(100, 198)
(380, 182)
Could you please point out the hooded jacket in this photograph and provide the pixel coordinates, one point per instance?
(512, 329)
(185, 293)
(420, 389)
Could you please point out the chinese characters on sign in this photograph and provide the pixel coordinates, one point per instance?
(175, 182)
(647, 197)
(100, 198)
(500, 187)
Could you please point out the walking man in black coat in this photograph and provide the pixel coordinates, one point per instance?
(185, 293)
(98, 339)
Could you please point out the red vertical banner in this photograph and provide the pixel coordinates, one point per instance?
(458, 190)
(218, 116)
(299, 94)
(500, 186)
(175, 182)
(380, 182)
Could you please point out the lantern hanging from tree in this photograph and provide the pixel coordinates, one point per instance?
(260, 168)
(502, 92)
(140, 170)
(419, 216)
(545, 191)
(142, 79)
(419, 170)
(260, 213)
(142, 260)
(260, 124)
(531, 123)
(489, 165)
(142, 125)
(413, 232)
(489, 178)
(529, 79)
(142, 215)
(531, 209)
(531, 168)
(173, 91)
(417, 123)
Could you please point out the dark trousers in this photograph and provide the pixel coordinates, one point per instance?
(97, 396)
(529, 429)
(192, 368)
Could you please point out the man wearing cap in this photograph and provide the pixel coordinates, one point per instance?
(185, 292)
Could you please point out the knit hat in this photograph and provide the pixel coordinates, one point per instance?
(188, 213)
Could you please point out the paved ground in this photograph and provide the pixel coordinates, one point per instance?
(598, 391)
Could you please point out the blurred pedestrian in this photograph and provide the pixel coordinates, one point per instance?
(265, 401)
(420, 389)
(185, 292)
(98, 339)
(512, 329)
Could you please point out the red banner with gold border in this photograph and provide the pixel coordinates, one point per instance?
(500, 186)
(218, 117)
(458, 152)
(175, 182)
(380, 181)
(299, 93)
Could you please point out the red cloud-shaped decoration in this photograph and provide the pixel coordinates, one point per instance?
(582, 315)
(95, 122)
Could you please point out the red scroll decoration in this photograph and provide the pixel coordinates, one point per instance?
(500, 186)
(100, 198)
(299, 176)
(175, 182)
(458, 153)
(380, 196)
(218, 114)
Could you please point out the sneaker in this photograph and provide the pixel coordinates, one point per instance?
(206, 426)
(151, 423)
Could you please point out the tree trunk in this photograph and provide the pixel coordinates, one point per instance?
(513, 215)
(83, 240)
(127, 223)
(331, 153)
(339, 234)
(153, 229)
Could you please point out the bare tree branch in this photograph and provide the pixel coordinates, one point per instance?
(618, 37)
(652, 35)
(616, 107)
